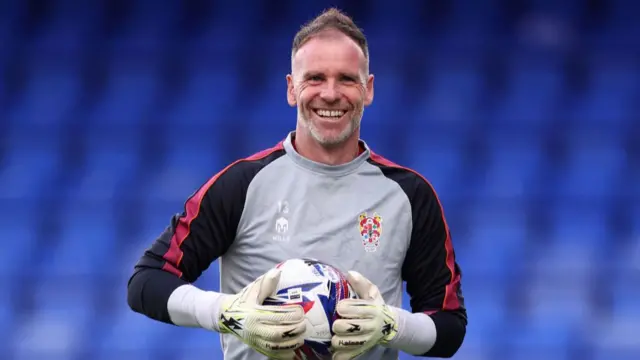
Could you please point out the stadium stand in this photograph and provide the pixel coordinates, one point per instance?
(525, 115)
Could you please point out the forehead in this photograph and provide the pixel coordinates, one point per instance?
(329, 51)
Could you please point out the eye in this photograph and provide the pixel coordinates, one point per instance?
(315, 78)
(348, 79)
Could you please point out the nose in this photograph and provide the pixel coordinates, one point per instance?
(329, 92)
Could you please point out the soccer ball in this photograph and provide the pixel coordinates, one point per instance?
(317, 287)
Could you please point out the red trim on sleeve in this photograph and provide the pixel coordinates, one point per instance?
(173, 256)
(451, 301)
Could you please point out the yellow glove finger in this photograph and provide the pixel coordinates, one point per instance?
(353, 327)
(364, 288)
(283, 333)
(261, 288)
(278, 315)
(357, 309)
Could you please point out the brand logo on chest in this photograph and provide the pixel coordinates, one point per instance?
(281, 225)
(370, 231)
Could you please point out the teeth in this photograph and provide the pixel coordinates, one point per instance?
(330, 113)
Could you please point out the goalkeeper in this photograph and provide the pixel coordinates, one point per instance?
(319, 193)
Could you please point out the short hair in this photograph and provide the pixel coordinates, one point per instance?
(331, 19)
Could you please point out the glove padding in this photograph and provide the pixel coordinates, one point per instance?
(274, 331)
(364, 322)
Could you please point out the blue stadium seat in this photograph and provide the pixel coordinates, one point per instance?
(57, 326)
(388, 91)
(88, 238)
(620, 30)
(469, 27)
(138, 354)
(496, 235)
(112, 116)
(557, 298)
(68, 31)
(10, 15)
(109, 166)
(569, 10)
(438, 159)
(390, 22)
(486, 299)
(128, 99)
(514, 166)
(129, 332)
(29, 169)
(7, 314)
(616, 338)
(545, 338)
(634, 234)
(611, 96)
(189, 164)
(533, 90)
(453, 96)
(20, 229)
(54, 93)
(590, 151)
(206, 100)
(625, 272)
(632, 177)
(579, 225)
(146, 29)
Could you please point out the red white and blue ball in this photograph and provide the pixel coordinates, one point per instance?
(317, 287)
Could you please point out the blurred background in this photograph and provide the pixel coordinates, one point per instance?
(525, 115)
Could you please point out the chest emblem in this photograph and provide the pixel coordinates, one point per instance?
(370, 231)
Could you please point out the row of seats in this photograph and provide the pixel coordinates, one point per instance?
(522, 114)
(532, 97)
(598, 19)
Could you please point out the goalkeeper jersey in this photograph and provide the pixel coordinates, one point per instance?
(369, 215)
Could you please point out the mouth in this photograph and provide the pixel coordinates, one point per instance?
(329, 114)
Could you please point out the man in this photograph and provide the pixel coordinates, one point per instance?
(315, 194)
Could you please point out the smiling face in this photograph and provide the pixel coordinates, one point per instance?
(330, 86)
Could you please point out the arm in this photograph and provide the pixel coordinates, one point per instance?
(160, 287)
(437, 325)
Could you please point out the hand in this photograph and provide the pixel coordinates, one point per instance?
(274, 331)
(364, 322)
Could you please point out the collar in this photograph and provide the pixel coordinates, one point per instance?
(332, 170)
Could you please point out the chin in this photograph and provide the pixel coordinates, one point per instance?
(331, 138)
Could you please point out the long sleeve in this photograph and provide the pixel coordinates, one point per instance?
(192, 241)
(432, 273)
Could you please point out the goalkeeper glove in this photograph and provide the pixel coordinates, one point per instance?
(364, 322)
(274, 331)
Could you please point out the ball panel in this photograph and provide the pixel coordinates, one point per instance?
(317, 287)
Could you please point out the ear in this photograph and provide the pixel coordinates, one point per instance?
(291, 98)
(369, 97)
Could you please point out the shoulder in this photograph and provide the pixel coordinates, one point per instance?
(241, 172)
(251, 165)
(414, 184)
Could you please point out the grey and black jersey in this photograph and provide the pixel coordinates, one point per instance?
(277, 205)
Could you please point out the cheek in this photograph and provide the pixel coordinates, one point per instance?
(304, 96)
(356, 95)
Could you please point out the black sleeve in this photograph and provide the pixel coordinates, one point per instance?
(431, 271)
(192, 241)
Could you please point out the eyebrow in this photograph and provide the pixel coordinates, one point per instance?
(310, 74)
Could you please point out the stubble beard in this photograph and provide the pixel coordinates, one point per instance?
(331, 141)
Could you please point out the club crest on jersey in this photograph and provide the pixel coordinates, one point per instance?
(370, 231)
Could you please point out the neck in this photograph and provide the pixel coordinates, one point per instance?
(339, 154)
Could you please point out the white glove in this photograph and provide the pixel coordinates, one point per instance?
(274, 331)
(364, 322)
